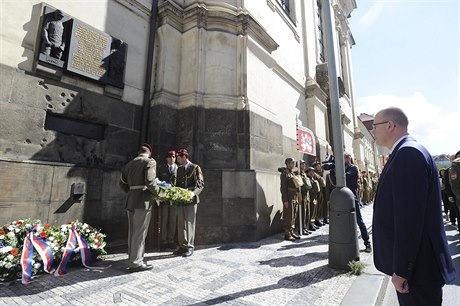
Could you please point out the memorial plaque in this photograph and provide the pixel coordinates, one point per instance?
(89, 51)
(77, 47)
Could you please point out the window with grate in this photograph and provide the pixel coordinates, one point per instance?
(319, 31)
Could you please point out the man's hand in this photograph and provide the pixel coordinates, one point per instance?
(286, 204)
(401, 284)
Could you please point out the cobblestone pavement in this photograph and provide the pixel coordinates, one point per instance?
(267, 272)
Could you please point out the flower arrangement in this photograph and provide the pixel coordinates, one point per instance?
(12, 237)
(176, 195)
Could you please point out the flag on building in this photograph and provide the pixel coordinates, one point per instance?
(306, 141)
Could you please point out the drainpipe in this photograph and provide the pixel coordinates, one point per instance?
(148, 73)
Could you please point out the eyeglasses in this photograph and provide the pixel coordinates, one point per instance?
(172, 156)
(375, 124)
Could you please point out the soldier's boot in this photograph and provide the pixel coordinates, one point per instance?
(288, 236)
(293, 234)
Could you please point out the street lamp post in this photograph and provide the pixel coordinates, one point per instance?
(343, 240)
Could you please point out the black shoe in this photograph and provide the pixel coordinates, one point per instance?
(179, 252)
(311, 228)
(295, 235)
(318, 223)
(188, 253)
(325, 221)
(315, 226)
(368, 248)
(306, 232)
(143, 267)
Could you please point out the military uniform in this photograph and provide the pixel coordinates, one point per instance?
(138, 180)
(314, 194)
(365, 188)
(189, 176)
(454, 180)
(321, 207)
(305, 201)
(289, 194)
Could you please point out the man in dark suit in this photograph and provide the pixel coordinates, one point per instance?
(189, 176)
(138, 180)
(166, 173)
(408, 233)
(352, 176)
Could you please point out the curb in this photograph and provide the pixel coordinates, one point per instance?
(368, 288)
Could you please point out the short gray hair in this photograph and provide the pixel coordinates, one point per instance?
(395, 114)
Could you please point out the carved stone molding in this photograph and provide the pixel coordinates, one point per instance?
(222, 17)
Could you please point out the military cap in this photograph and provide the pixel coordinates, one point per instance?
(315, 163)
(171, 153)
(182, 152)
(289, 160)
(146, 145)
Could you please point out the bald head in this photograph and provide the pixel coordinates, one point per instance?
(389, 125)
(396, 115)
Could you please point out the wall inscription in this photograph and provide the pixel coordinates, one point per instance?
(89, 51)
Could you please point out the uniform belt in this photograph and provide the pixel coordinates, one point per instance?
(136, 187)
(293, 189)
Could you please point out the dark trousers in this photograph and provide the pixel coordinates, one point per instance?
(360, 222)
(421, 296)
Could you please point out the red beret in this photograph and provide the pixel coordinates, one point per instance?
(171, 153)
(147, 146)
(182, 152)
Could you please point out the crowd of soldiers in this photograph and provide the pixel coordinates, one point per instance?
(305, 195)
(450, 189)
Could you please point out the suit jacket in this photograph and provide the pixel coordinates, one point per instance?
(166, 174)
(408, 233)
(191, 179)
(138, 180)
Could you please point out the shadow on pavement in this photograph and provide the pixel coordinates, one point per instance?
(296, 261)
(296, 281)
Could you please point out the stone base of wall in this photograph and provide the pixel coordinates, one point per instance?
(41, 190)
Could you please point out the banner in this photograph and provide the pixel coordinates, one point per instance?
(306, 141)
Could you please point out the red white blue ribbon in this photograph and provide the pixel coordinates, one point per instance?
(85, 252)
(30, 242)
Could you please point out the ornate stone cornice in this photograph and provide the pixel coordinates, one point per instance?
(218, 17)
(313, 89)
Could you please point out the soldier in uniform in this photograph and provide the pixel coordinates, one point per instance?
(138, 180)
(189, 176)
(322, 211)
(289, 197)
(305, 197)
(365, 188)
(314, 194)
(167, 173)
(454, 180)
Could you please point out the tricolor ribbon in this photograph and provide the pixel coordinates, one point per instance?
(30, 242)
(85, 252)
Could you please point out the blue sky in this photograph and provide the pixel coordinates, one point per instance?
(407, 54)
